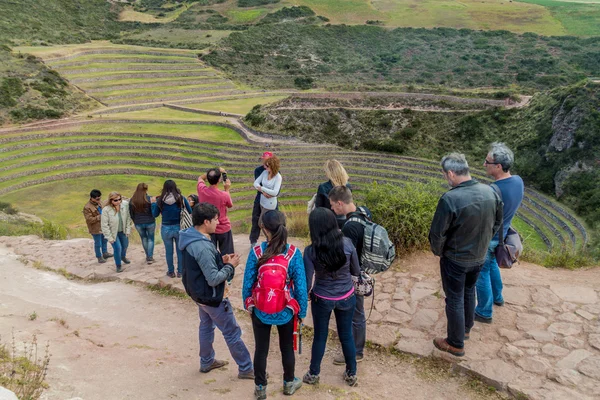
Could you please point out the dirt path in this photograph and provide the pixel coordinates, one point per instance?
(117, 341)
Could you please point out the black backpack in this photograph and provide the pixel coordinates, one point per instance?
(195, 283)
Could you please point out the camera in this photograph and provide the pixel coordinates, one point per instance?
(224, 176)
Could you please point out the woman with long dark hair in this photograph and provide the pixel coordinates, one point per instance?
(140, 210)
(169, 204)
(267, 255)
(332, 259)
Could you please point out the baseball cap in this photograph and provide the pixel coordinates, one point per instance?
(266, 154)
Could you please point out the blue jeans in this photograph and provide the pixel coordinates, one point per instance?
(459, 285)
(489, 284)
(359, 325)
(100, 244)
(146, 232)
(120, 246)
(321, 313)
(223, 318)
(170, 235)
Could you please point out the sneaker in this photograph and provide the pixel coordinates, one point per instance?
(179, 275)
(260, 392)
(499, 303)
(150, 260)
(101, 260)
(441, 344)
(467, 336)
(216, 364)
(126, 260)
(351, 380)
(246, 374)
(341, 360)
(107, 255)
(119, 269)
(171, 274)
(483, 320)
(310, 379)
(289, 388)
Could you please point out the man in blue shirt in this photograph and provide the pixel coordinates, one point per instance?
(489, 284)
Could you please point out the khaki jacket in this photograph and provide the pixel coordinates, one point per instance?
(92, 218)
(110, 221)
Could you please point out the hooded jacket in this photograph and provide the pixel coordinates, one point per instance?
(204, 273)
(170, 209)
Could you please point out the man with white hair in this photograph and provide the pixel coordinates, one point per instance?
(466, 219)
(497, 164)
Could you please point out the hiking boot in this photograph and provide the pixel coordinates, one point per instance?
(289, 388)
(483, 320)
(260, 392)
(119, 269)
(467, 336)
(101, 260)
(126, 260)
(171, 274)
(107, 255)
(310, 379)
(499, 303)
(340, 360)
(216, 364)
(246, 374)
(441, 344)
(179, 275)
(351, 380)
(150, 260)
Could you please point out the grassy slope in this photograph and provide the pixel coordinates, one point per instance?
(580, 18)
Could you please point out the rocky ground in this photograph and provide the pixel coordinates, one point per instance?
(543, 344)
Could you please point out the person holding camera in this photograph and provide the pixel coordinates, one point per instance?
(222, 237)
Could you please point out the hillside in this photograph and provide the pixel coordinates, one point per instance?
(29, 90)
(371, 57)
(556, 138)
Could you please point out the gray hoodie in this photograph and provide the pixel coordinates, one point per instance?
(214, 271)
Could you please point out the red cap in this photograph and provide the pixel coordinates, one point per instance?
(266, 154)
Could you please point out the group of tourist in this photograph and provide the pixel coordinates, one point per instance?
(464, 233)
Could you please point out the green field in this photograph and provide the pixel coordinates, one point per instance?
(237, 106)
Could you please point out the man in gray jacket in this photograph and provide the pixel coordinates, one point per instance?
(466, 219)
(204, 274)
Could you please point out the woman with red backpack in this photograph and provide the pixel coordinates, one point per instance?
(274, 292)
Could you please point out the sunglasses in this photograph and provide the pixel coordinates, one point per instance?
(486, 162)
(116, 200)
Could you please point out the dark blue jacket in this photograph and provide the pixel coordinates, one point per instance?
(171, 213)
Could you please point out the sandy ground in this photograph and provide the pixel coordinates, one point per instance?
(120, 341)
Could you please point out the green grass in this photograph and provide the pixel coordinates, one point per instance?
(167, 114)
(245, 16)
(579, 18)
(237, 106)
(125, 66)
(151, 90)
(134, 81)
(124, 73)
(177, 35)
(119, 56)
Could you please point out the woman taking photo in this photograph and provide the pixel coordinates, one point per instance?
(269, 185)
(140, 210)
(337, 176)
(332, 259)
(193, 200)
(169, 204)
(116, 227)
(277, 251)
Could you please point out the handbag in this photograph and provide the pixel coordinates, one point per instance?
(310, 205)
(510, 247)
(185, 219)
(363, 284)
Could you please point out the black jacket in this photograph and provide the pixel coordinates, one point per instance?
(466, 219)
(142, 216)
(323, 190)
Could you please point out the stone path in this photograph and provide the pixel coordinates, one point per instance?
(544, 343)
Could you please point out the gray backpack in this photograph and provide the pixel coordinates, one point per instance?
(378, 250)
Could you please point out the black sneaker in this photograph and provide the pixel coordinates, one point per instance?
(150, 260)
(216, 364)
(107, 255)
(351, 380)
(499, 303)
(126, 260)
(101, 260)
(310, 379)
(171, 274)
(483, 320)
(341, 360)
(119, 268)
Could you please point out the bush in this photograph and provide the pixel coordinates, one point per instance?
(53, 231)
(405, 211)
(24, 373)
(7, 208)
(304, 83)
(254, 3)
(566, 258)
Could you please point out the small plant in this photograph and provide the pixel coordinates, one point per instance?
(564, 258)
(24, 372)
(53, 231)
(33, 316)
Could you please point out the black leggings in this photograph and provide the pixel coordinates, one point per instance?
(262, 337)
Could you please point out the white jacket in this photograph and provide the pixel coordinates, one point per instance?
(110, 221)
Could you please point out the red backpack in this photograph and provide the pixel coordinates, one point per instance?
(271, 292)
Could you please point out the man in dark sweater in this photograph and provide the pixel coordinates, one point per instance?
(466, 219)
(255, 230)
(340, 198)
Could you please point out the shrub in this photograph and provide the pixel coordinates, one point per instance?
(53, 231)
(23, 373)
(304, 83)
(405, 211)
(566, 258)
(254, 3)
(8, 208)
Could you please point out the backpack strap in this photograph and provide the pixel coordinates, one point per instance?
(290, 253)
(501, 231)
(257, 251)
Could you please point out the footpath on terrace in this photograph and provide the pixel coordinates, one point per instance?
(543, 344)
